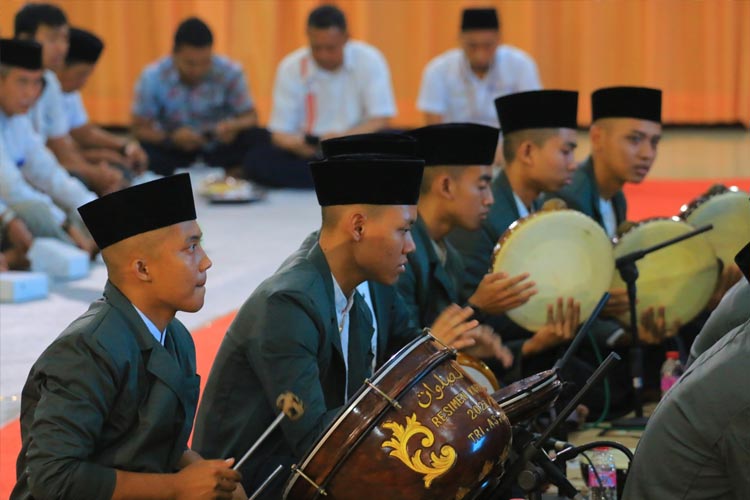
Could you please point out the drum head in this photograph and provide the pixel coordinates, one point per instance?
(680, 277)
(565, 252)
(479, 372)
(730, 214)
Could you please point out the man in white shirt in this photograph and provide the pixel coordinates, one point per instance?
(31, 172)
(96, 143)
(334, 87)
(47, 25)
(461, 84)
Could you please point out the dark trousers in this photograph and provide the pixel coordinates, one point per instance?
(163, 160)
(271, 166)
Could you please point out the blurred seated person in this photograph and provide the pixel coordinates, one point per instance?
(193, 103)
(47, 25)
(15, 240)
(96, 144)
(28, 170)
(334, 87)
(696, 442)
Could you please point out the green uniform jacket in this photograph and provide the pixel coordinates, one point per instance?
(428, 286)
(104, 396)
(583, 195)
(395, 326)
(286, 338)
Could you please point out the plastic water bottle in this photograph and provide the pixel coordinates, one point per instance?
(671, 370)
(604, 463)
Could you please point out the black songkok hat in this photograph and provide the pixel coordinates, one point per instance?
(24, 54)
(743, 261)
(139, 209)
(456, 144)
(371, 169)
(479, 19)
(85, 47)
(537, 109)
(379, 143)
(642, 103)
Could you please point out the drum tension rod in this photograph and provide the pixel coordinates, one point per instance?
(304, 476)
(429, 332)
(385, 396)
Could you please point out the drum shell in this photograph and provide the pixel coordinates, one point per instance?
(681, 277)
(355, 454)
(729, 212)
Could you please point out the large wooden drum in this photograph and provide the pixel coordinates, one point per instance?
(565, 252)
(423, 429)
(728, 209)
(681, 277)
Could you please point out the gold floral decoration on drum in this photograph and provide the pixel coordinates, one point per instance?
(399, 441)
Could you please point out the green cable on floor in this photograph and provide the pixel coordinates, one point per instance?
(605, 410)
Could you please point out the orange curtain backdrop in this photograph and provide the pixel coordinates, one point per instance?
(697, 51)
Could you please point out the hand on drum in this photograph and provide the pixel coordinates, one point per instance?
(653, 329)
(488, 344)
(450, 327)
(562, 323)
(208, 479)
(498, 293)
(618, 303)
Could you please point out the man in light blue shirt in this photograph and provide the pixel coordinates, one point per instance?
(96, 143)
(47, 25)
(29, 171)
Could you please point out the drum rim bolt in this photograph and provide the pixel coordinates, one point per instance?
(429, 332)
(385, 396)
(304, 476)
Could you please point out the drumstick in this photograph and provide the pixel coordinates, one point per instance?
(291, 407)
(266, 482)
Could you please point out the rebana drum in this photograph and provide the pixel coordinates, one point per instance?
(422, 429)
(680, 277)
(565, 252)
(479, 371)
(729, 212)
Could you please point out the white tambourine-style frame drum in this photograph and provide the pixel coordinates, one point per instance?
(681, 277)
(728, 209)
(565, 252)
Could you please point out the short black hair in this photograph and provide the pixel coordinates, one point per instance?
(193, 32)
(33, 15)
(327, 16)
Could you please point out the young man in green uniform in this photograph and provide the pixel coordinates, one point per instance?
(306, 330)
(539, 138)
(107, 409)
(625, 134)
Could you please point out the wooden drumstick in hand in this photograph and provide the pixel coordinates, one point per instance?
(291, 407)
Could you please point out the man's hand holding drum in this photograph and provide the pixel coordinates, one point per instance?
(498, 293)
(563, 319)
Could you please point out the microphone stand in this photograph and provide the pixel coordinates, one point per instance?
(626, 266)
(543, 469)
